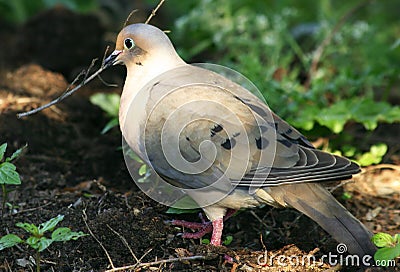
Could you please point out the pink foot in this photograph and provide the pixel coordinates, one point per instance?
(202, 228)
(205, 227)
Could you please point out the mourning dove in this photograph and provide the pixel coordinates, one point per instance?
(210, 137)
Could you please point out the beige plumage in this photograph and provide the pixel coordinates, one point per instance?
(211, 137)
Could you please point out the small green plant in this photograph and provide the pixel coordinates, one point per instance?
(37, 239)
(389, 247)
(110, 104)
(228, 240)
(8, 173)
(346, 196)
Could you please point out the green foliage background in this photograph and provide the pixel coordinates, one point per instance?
(275, 44)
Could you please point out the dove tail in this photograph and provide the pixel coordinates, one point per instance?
(317, 203)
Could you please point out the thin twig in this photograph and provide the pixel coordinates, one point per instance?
(125, 243)
(33, 209)
(106, 83)
(105, 55)
(129, 17)
(259, 219)
(153, 12)
(68, 91)
(340, 184)
(145, 254)
(318, 53)
(84, 216)
(103, 61)
(191, 258)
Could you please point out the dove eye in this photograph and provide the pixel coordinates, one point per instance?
(129, 43)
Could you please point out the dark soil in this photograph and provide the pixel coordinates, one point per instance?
(73, 170)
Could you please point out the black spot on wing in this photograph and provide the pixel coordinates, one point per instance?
(216, 129)
(273, 124)
(240, 99)
(229, 144)
(262, 143)
(285, 142)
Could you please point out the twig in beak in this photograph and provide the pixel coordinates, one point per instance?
(68, 91)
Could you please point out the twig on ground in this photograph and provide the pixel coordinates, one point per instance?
(259, 219)
(335, 268)
(84, 216)
(191, 258)
(33, 209)
(125, 243)
(153, 12)
(145, 254)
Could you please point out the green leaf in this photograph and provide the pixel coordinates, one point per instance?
(39, 244)
(387, 253)
(65, 234)
(173, 210)
(346, 196)
(8, 175)
(306, 118)
(9, 240)
(334, 117)
(228, 240)
(397, 238)
(17, 153)
(31, 228)
(143, 169)
(382, 239)
(128, 151)
(374, 156)
(44, 243)
(108, 102)
(3, 148)
(184, 205)
(205, 241)
(51, 224)
(33, 242)
(110, 124)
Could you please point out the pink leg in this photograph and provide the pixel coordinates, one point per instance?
(218, 226)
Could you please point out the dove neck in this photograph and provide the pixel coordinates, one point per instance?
(140, 73)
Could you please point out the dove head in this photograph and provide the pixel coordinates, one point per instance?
(141, 45)
(147, 52)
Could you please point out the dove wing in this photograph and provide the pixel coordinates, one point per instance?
(200, 129)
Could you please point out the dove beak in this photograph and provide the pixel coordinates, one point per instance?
(112, 59)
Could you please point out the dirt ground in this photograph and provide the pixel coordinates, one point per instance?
(71, 169)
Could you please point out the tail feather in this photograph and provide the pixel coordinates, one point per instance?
(317, 203)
